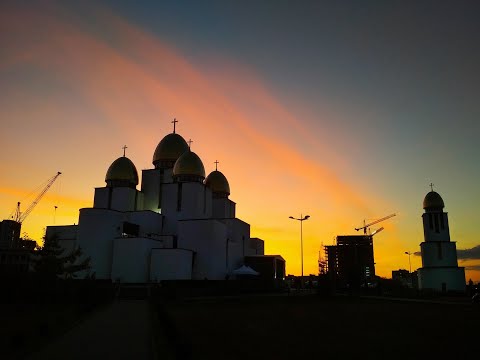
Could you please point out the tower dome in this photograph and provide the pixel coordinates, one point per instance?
(122, 172)
(169, 150)
(189, 167)
(433, 201)
(218, 183)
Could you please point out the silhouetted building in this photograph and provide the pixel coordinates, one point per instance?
(181, 224)
(350, 262)
(406, 278)
(9, 233)
(439, 269)
(15, 253)
(269, 267)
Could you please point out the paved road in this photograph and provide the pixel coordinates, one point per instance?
(119, 331)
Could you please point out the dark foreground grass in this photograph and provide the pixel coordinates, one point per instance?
(283, 327)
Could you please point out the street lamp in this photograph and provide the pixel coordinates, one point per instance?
(409, 263)
(301, 219)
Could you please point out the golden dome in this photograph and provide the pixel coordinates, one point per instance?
(218, 183)
(190, 165)
(432, 201)
(169, 150)
(122, 172)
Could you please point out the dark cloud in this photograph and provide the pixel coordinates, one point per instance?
(469, 254)
(463, 254)
(472, 267)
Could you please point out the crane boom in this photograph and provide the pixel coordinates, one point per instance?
(20, 217)
(365, 226)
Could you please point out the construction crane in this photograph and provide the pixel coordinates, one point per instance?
(20, 216)
(367, 226)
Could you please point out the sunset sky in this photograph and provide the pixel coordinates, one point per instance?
(343, 110)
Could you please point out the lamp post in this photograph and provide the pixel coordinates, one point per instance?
(410, 269)
(409, 263)
(301, 219)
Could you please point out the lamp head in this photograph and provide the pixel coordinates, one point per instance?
(306, 217)
(406, 252)
(291, 217)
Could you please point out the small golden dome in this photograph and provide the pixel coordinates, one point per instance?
(169, 150)
(433, 201)
(122, 172)
(190, 165)
(218, 183)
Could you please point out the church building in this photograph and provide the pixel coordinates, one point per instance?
(180, 225)
(439, 271)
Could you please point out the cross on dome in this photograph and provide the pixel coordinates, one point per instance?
(431, 186)
(174, 122)
(216, 165)
(189, 143)
(124, 147)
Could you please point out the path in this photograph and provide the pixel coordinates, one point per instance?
(119, 331)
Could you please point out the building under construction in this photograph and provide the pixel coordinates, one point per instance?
(350, 263)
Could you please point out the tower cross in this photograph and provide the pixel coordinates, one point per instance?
(431, 186)
(216, 165)
(174, 122)
(124, 148)
(190, 143)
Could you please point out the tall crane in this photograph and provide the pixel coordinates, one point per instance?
(366, 226)
(20, 216)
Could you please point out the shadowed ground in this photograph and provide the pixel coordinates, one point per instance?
(306, 326)
(118, 331)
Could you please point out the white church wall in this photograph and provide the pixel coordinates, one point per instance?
(96, 230)
(208, 239)
(171, 264)
(101, 198)
(239, 232)
(434, 278)
(235, 256)
(131, 259)
(124, 198)
(196, 201)
(438, 253)
(150, 222)
(223, 208)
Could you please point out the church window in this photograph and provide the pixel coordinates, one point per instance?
(430, 221)
(174, 242)
(436, 223)
(129, 229)
(442, 223)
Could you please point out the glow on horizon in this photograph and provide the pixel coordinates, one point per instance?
(126, 88)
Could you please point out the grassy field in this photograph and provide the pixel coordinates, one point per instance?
(291, 327)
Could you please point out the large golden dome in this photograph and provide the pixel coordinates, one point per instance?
(189, 165)
(169, 150)
(122, 172)
(433, 201)
(218, 183)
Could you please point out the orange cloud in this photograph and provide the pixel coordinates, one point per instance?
(137, 82)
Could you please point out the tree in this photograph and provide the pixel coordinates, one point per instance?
(51, 260)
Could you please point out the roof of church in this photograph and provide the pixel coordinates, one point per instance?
(169, 148)
(433, 200)
(122, 169)
(189, 164)
(218, 182)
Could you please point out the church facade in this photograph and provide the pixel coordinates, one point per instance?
(180, 225)
(439, 271)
